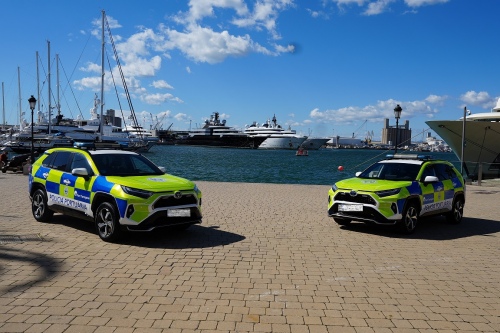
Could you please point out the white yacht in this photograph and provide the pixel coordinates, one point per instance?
(215, 133)
(276, 136)
(482, 140)
(314, 143)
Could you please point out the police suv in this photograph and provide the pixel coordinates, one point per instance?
(397, 191)
(118, 190)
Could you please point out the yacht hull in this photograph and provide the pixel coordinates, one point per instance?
(222, 141)
(285, 142)
(314, 143)
(482, 144)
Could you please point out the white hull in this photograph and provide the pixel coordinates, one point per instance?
(482, 143)
(282, 142)
(314, 143)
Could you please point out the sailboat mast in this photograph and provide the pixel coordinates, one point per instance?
(57, 77)
(50, 101)
(3, 108)
(102, 77)
(19, 89)
(37, 86)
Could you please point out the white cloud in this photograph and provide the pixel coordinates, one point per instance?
(161, 84)
(372, 113)
(377, 7)
(419, 3)
(156, 99)
(482, 99)
(435, 99)
(181, 117)
(205, 45)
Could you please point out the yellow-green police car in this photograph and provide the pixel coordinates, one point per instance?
(118, 190)
(399, 190)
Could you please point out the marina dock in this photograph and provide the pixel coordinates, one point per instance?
(265, 259)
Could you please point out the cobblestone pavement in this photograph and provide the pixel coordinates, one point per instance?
(265, 259)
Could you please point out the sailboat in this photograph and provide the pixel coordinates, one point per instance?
(135, 144)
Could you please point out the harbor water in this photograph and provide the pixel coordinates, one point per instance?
(320, 167)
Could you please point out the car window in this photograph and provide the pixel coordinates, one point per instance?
(61, 160)
(80, 161)
(125, 165)
(392, 171)
(443, 171)
(428, 171)
(47, 162)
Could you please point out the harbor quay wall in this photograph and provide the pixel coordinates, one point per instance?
(265, 259)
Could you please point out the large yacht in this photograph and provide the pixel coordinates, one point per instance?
(482, 141)
(275, 136)
(215, 133)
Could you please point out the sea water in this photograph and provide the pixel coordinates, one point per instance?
(321, 167)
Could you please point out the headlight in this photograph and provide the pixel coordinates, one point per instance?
(387, 193)
(136, 192)
(334, 188)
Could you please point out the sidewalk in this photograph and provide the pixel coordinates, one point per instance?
(266, 259)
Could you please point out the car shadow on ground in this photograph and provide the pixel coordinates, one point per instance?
(196, 236)
(432, 228)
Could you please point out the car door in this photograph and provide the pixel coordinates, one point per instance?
(432, 193)
(79, 188)
(57, 185)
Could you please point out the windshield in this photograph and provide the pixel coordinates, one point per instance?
(125, 165)
(391, 171)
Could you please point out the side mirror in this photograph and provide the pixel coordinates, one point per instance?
(162, 169)
(431, 179)
(358, 173)
(80, 172)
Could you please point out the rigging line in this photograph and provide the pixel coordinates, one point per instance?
(116, 92)
(124, 83)
(481, 151)
(470, 141)
(71, 89)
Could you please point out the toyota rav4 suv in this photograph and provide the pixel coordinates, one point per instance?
(398, 191)
(116, 189)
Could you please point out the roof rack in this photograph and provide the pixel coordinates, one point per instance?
(409, 157)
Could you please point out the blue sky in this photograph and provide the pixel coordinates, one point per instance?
(323, 67)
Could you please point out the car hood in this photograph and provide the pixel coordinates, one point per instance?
(155, 183)
(371, 185)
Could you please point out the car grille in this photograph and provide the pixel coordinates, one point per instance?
(170, 201)
(358, 198)
(161, 219)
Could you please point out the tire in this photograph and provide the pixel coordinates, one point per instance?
(106, 222)
(39, 207)
(409, 221)
(342, 221)
(457, 211)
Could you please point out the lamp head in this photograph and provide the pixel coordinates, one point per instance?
(397, 111)
(32, 101)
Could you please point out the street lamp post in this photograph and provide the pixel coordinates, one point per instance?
(397, 115)
(32, 101)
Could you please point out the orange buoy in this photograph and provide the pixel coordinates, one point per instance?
(341, 168)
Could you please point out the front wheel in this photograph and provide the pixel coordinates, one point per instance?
(39, 207)
(457, 211)
(410, 218)
(106, 222)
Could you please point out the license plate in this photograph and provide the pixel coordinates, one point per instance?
(350, 208)
(179, 212)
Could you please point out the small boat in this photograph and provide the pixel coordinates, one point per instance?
(301, 152)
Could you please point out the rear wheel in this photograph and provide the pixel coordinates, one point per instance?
(457, 211)
(106, 222)
(410, 218)
(342, 221)
(39, 207)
